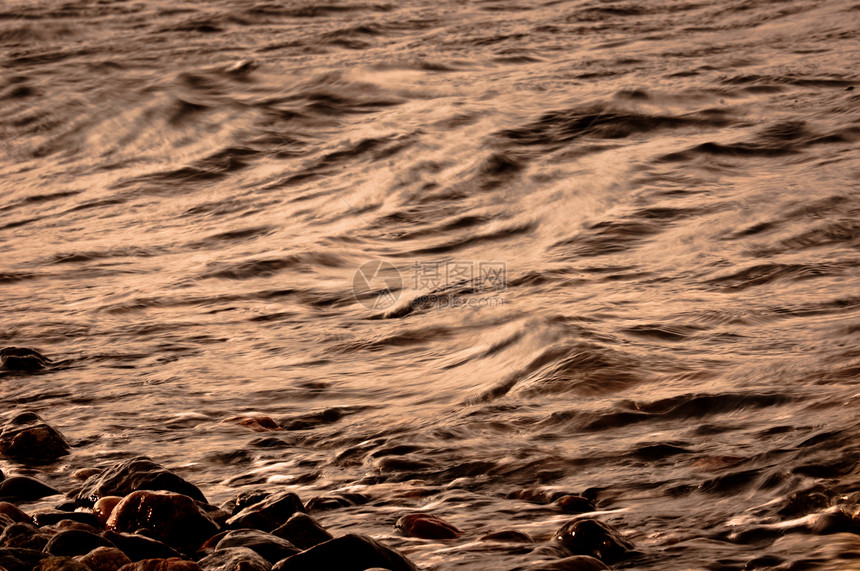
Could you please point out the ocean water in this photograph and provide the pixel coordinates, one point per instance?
(461, 252)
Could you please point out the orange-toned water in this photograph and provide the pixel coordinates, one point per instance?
(586, 245)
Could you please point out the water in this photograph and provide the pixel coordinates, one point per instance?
(648, 216)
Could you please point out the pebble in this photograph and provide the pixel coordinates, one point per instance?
(426, 526)
(104, 507)
(104, 559)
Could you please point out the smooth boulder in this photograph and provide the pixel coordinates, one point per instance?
(593, 538)
(135, 474)
(22, 359)
(234, 559)
(427, 526)
(75, 542)
(266, 545)
(303, 531)
(347, 553)
(104, 559)
(268, 514)
(172, 518)
(25, 488)
(27, 437)
(170, 564)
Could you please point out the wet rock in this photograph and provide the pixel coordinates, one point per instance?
(56, 516)
(14, 559)
(426, 526)
(138, 473)
(27, 437)
(173, 518)
(61, 564)
(257, 423)
(571, 504)
(836, 521)
(269, 514)
(104, 559)
(508, 536)
(104, 507)
(75, 542)
(234, 559)
(335, 501)
(25, 488)
(85, 474)
(303, 531)
(594, 538)
(14, 513)
(22, 359)
(23, 535)
(802, 503)
(573, 563)
(347, 553)
(138, 547)
(268, 546)
(170, 564)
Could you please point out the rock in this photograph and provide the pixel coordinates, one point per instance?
(104, 507)
(14, 513)
(594, 538)
(302, 531)
(104, 559)
(23, 535)
(173, 518)
(25, 488)
(28, 437)
(426, 526)
(85, 474)
(347, 553)
(139, 547)
(14, 559)
(335, 501)
(61, 564)
(171, 564)
(56, 516)
(834, 521)
(257, 423)
(22, 359)
(269, 514)
(135, 474)
(571, 504)
(573, 563)
(508, 536)
(268, 546)
(234, 559)
(801, 503)
(75, 542)
(244, 500)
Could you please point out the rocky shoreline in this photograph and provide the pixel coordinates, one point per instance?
(136, 515)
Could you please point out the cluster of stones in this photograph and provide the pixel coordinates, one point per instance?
(138, 516)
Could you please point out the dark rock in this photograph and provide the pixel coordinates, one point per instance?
(173, 518)
(56, 516)
(104, 507)
(571, 504)
(234, 559)
(508, 536)
(335, 501)
(268, 546)
(347, 553)
(14, 513)
(24, 488)
(249, 498)
(85, 474)
(303, 531)
(28, 437)
(802, 503)
(135, 474)
(61, 564)
(257, 423)
(22, 359)
(594, 538)
(269, 514)
(573, 563)
(834, 522)
(15, 559)
(170, 564)
(426, 526)
(23, 535)
(137, 547)
(75, 542)
(214, 513)
(104, 559)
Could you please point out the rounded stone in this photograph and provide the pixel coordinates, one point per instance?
(426, 526)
